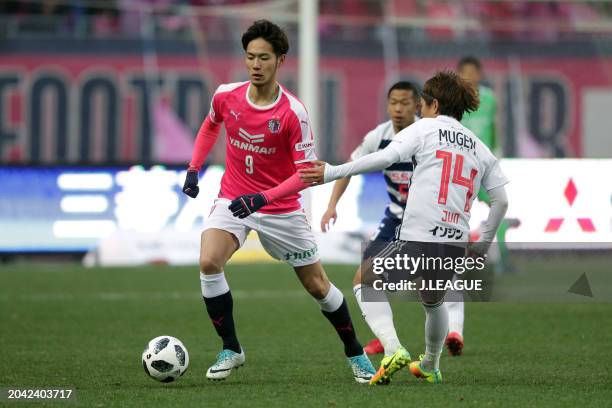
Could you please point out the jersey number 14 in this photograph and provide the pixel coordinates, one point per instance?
(447, 160)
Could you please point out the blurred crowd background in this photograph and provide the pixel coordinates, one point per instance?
(119, 81)
(526, 20)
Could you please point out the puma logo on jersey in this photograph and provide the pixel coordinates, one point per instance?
(249, 137)
(234, 114)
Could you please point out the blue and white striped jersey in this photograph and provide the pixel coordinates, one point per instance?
(397, 176)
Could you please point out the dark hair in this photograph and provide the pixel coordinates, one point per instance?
(469, 60)
(455, 95)
(405, 86)
(269, 32)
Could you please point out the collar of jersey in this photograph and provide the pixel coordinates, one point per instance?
(265, 107)
(448, 118)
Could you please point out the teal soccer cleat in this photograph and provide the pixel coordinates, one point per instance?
(363, 370)
(226, 361)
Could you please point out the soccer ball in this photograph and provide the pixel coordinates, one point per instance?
(165, 359)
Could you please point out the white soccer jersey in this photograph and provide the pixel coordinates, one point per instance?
(451, 164)
(397, 176)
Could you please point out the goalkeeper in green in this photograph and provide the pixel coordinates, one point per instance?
(482, 123)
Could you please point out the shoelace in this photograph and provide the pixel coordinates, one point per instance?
(421, 357)
(224, 355)
(361, 364)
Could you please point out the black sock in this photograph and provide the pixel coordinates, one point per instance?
(341, 320)
(219, 309)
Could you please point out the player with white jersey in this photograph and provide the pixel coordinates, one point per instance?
(451, 164)
(402, 103)
(482, 123)
(269, 137)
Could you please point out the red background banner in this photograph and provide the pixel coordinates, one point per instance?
(73, 108)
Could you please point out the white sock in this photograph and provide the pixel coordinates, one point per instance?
(455, 315)
(436, 327)
(332, 301)
(213, 285)
(378, 314)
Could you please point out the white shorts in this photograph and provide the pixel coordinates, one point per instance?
(287, 237)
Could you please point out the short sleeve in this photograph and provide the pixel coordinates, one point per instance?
(370, 144)
(216, 112)
(302, 143)
(408, 141)
(494, 176)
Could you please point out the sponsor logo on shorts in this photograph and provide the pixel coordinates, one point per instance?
(294, 256)
(304, 146)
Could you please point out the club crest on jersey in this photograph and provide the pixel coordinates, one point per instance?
(274, 125)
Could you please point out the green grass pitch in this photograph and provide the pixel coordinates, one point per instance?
(66, 326)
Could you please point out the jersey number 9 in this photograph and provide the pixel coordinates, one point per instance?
(248, 162)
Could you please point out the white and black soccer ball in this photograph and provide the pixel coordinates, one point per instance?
(165, 359)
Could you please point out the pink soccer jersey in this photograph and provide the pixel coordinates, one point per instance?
(264, 143)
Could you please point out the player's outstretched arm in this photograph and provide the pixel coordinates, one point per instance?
(497, 211)
(331, 215)
(205, 140)
(403, 146)
(324, 173)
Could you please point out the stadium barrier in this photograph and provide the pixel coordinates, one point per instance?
(133, 215)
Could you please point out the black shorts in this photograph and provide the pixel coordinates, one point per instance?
(409, 260)
(386, 233)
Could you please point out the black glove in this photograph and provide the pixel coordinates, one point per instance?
(247, 204)
(191, 184)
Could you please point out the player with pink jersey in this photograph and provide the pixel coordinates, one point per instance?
(269, 138)
(264, 143)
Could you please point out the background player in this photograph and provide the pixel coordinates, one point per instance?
(452, 163)
(482, 123)
(482, 120)
(402, 104)
(268, 137)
